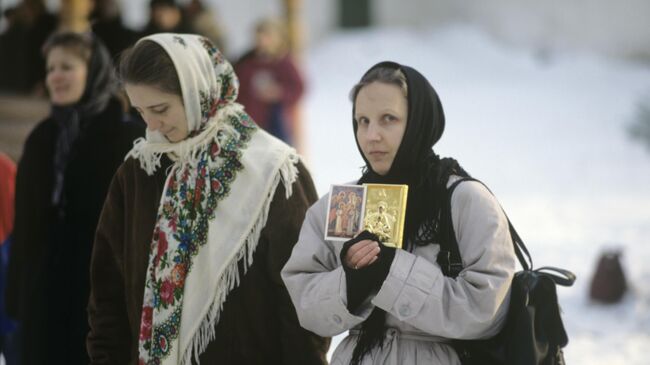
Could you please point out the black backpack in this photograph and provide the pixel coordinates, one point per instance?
(533, 333)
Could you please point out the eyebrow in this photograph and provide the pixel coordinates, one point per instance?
(382, 111)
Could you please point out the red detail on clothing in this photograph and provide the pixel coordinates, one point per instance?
(167, 292)
(7, 195)
(145, 323)
(162, 244)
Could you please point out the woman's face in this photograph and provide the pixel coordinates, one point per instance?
(161, 111)
(381, 112)
(66, 76)
(268, 41)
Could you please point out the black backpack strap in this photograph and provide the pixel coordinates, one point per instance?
(449, 258)
(559, 276)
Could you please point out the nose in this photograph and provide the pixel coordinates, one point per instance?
(55, 76)
(373, 132)
(152, 123)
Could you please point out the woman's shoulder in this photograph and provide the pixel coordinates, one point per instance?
(467, 188)
(130, 172)
(473, 195)
(45, 129)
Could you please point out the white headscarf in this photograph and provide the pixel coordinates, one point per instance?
(215, 203)
(209, 85)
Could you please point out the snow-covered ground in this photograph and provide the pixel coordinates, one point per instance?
(547, 132)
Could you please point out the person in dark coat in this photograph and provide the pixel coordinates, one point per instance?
(108, 26)
(66, 167)
(198, 223)
(166, 16)
(22, 64)
(12, 40)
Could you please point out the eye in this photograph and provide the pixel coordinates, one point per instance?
(389, 118)
(160, 111)
(362, 120)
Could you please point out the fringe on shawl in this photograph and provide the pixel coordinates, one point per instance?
(288, 174)
(149, 153)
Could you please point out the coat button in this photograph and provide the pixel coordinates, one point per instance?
(404, 310)
(336, 319)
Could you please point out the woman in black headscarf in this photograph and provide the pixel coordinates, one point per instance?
(63, 176)
(397, 304)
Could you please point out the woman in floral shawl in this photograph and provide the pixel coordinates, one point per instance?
(198, 223)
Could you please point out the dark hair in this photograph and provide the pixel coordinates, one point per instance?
(149, 64)
(386, 75)
(81, 45)
(168, 3)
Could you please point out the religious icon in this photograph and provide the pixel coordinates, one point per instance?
(385, 211)
(345, 211)
(378, 208)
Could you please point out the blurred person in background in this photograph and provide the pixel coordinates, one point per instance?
(108, 26)
(203, 21)
(198, 223)
(271, 84)
(74, 16)
(8, 345)
(165, 16)
(23, 65)
(62, 179)
(13, 63)
(7, 189)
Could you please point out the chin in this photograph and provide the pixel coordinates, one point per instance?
(380, 171)
(174, 139)
(64, 98)
(63, 101)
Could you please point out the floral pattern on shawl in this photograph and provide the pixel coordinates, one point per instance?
(187, 223)
(207, 163)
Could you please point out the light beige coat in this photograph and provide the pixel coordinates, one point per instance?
(424, 308)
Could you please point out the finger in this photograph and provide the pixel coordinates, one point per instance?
(355, 249)
(364, 260)
(370, 257)
(358, 246)
(363, 252)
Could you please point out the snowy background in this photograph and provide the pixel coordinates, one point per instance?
(546, 131)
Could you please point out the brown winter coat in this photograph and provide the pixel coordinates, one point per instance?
(258, 324)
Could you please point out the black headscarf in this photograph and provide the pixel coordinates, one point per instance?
(415, 163)
(101, 85)
(417, 166)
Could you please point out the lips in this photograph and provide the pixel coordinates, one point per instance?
(377, 154)
(60, 89)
